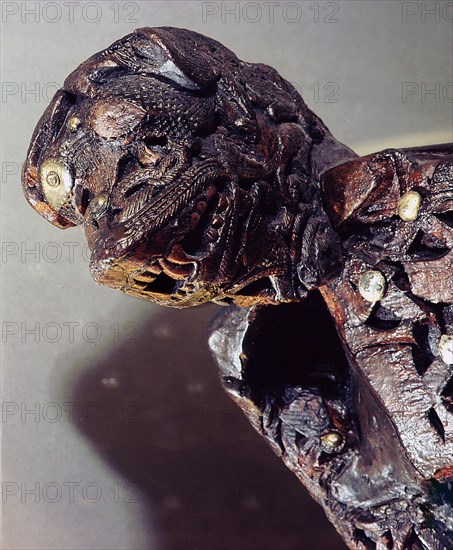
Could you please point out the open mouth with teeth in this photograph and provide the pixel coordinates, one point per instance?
(158, 219)
(175, 225)
(172, 214)
(151, 211)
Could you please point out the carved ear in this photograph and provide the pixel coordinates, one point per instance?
(177, 55)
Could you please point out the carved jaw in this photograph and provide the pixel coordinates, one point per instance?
(158, 251)
(190, 259)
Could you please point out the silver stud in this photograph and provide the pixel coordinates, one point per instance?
(332, 442)
(53, 179)
(409, 205)
(98, 205)
(372, 286)
(446, 349)
(56, 182)
(74, 123)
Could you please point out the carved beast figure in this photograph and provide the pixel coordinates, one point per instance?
(198, 177)
(183, 163)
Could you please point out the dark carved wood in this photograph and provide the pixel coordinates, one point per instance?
(198, 177)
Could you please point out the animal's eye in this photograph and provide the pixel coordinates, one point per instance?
(149, 156)
(74, 123)
(56, 182)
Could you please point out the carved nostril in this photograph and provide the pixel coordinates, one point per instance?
(84, 201)
(56, 182)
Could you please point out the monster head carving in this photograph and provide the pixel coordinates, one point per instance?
(193, 174)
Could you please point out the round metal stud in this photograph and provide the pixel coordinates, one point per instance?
(332, 442)
(74, 123)
(446, 349)
(98, 205)
(56, 182)
(53, 179)
(372, 286)
(409, 205)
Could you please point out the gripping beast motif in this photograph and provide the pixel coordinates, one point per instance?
(198, 177)
(369, 431)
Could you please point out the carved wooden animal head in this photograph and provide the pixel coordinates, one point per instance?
(163, 147)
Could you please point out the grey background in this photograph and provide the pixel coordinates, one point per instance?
(150, 411)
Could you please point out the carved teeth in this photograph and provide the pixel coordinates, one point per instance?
(144, 279)
(217, 221)
(176, 271)
(177, 255)
(213, 234)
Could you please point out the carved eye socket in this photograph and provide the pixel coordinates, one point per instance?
(56, 182)
(156, 141)
(152, 150)
(148, 157)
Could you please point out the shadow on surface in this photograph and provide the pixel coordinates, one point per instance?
(213, 482)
